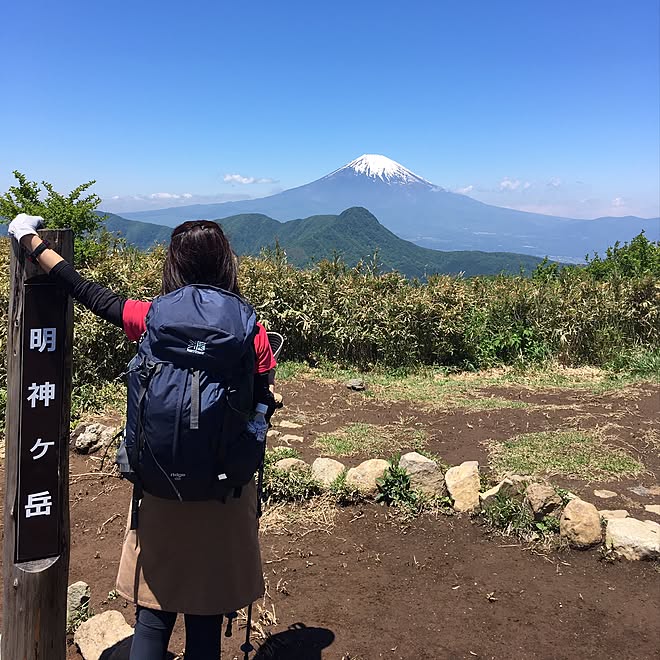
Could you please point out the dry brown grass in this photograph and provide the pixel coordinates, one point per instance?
(299, 520)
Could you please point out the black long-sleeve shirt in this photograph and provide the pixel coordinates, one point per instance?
(110, 306)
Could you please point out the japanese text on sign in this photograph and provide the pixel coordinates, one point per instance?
(43, 339)
(42, 388)
(38, 504)
(44, 392)
(42, 447)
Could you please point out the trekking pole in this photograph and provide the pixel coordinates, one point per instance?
(260, 489)
(247, 648)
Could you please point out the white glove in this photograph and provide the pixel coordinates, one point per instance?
(24, 225)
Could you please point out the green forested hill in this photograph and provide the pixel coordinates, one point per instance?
(140, 234)
(354, 234)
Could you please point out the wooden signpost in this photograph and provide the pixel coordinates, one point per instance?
(36, 506)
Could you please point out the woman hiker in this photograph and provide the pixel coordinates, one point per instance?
(199, 558)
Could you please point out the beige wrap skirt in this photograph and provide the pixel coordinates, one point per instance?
(193, 557)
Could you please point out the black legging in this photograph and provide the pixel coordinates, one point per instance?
(153, 630)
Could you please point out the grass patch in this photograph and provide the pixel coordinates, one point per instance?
(440, 387)
(286, 485)
(513, 517)
(487, 403)
(289, 370)
(370, 439)
(576, 454)
(278, 453)
(104, 400)
(636, 364)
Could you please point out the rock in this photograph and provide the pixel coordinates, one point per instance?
(608, 514)
(286, 424)
(356, 384)
(505, 487)
(273, 434)
(425, 475)
(364, 476)
(96, 637)
(77, 602)
(633, 539)
(605, 494)
(543, 500)
(520, 480)
(327, 470)
(288, 464)
(288, 438)
(653, 508)
(580, 524)
(463, 485)
(89, 438)
(643, 491)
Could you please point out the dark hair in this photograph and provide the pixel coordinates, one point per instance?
(199, 253)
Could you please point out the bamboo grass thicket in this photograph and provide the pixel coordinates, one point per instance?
(363, 318)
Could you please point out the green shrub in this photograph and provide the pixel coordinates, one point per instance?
(638, 258)
(287, 485)
(394, 487)
(640, 363)
(513, 516)
(343, 493)
(362, 318)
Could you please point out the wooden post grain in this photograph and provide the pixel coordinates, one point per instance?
(34, 598)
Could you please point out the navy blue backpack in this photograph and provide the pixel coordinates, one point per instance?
(190, 397)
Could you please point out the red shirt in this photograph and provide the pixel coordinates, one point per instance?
(135, 313)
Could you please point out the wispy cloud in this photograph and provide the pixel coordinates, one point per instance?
(245, 180)
(465, 191)
(555, 182)
(166, 195)
(618, 202)
(508, 184)
(159, 200)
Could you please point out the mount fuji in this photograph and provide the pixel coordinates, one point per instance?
(419, 211)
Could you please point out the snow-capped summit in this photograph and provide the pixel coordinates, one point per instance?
(416, 210)
(380, 167)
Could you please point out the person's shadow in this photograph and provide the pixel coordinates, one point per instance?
(122, 650)
(297, 643)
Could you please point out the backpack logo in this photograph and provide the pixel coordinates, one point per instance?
(196, 347)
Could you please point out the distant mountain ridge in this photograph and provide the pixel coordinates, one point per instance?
(417, 210)
(355, 234)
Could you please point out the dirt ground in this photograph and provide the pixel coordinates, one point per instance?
(360, 583)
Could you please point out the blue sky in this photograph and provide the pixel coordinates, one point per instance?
(545, 106)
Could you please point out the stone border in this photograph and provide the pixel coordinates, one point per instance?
(581, 524)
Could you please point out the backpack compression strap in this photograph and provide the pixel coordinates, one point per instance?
(139, 445)
(194, 400)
